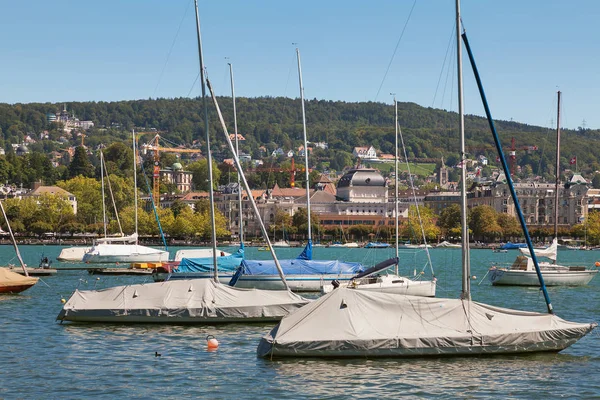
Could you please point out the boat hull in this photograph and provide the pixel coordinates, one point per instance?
(15, 288)
(400, 286)
(267, 349)
(501, 276)
(36, 271)
(297, 283)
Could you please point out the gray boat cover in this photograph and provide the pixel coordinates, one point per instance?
(353, 323)
(179, 301)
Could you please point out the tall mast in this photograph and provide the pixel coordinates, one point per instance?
(103, 198)
(557, 170)
(396, 185)
(135, 195)
(306, 175)
(208, 153)
(237, 152)
(466, 261)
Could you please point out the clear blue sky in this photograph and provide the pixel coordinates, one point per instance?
(62, 51)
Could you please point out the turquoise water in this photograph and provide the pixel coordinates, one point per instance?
(41, 358)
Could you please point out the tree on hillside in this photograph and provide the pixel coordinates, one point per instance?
(119, 159)
(80, 165)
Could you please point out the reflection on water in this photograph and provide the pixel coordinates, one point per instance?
(41, 358)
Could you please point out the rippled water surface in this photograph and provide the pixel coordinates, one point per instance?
(41, 358)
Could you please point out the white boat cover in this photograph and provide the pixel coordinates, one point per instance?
(352, 323)
(551, 252)
(180, 301)
(72, 253)
(10, 280)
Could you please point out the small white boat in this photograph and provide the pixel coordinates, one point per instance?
(351, 245)
(123, 250)
(280, 243)
(73, 254)
(522, 271)
(375, 281)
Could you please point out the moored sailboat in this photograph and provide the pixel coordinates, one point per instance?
(125, 249)
(522, 271)
(354, 323)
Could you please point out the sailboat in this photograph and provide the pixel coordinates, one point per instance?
(75, 254)
(125, 249)
(11, 281)
(282, 242)
(362, 323)
(193, 300)
(378, 278)
(522, 271)
(303, 274)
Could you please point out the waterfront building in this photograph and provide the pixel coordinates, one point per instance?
(536, 200)
(178, 176)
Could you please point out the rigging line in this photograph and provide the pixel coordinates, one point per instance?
(448, 72)
(193, 84)
(396, 49)
(171, 49)
(450, 41)
(412, 185)
(286, 86)
(113, 199)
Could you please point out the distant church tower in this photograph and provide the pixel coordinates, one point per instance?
(443, 175)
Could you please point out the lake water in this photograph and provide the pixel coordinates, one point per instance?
(40, 358)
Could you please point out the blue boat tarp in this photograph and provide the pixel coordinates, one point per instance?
(300, 267)
(205, 264)
(512, 246)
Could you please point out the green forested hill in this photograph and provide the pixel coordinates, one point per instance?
(276, 122)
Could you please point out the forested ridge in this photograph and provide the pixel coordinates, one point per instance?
(276, 122)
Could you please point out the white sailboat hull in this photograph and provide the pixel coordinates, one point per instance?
(392, 284)
(73, 254)
(502, 276)
(124, 253)
(297, 283)
(198, 253)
